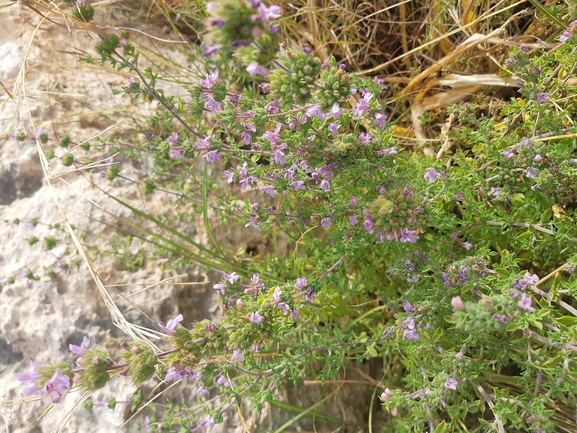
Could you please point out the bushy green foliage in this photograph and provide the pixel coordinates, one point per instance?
(459, 269)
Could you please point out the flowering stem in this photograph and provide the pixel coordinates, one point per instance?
(154, 93)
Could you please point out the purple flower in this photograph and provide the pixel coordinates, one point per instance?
(326, 223)
(210, 50)
(525, 303)
(172, 139)
(266, 13)
(176, 153)
(252, 222)
(467, 245)
(83, 346)
(256, 317)
(208, 422)
(565, 36)
(496, 192)
(242, 170)
(212, 156)
(301, 283)
(354, 220)
(222, 381)
(538, 158)
(237, 355)
(508, 153)
(210, 80)
(380, 82)
(244, 183)
(178, 373)
(411, 334)
(335, 111)
(334, 128)
(231, 278)
(229, 176)
(255, 69)
(57, 386)
(543, 97)
(362, 106)
(298, 185)
(274, 29)
(409, 236)
(315, 110)
(409, 323)
(325, 185)
(211, 103)
(388, 151)
(279, 157)
(451, 383)
(269, 190)
(408, 307)
(273, 137)
(31, 378)
(457, 302)
(532, 172)
(306, 49)
(202, 143)
(220, 286)
(431, 175)
(380, 119)
(500, 318)
(216, 22)
(171, 325)
(364, 138)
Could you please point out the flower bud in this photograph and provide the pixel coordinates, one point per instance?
(457, 303)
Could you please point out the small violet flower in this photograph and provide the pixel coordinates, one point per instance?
(202, 143)
(431, 175)
(334, 128)
(237, 355)
(457, 303)
(335, 111)
(231, 278)
(409, 236)
(255, 69)
(210, 50)
(171, 325)
(508, 153)
(380, 120)
(525, 303)
(212, 156)
(451, 383)
(543, 97)
(408, 307)
(306, 49)
(532, 172)
(256, 317)
(210, 80)
(298, 185)
(364, 138)
(269, 190)
(220, 286)
(57, 386)
(411, 334)
(31, 378)
(83, 346)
